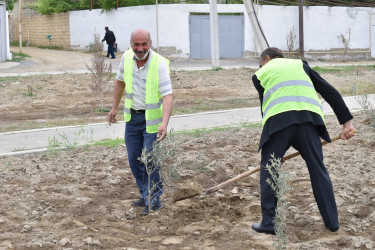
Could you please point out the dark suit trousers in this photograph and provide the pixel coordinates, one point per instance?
(305, 139)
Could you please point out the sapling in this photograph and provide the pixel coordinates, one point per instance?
(364, 101)
(279, 184)
(101, 73)
(290, 40)
(155, 160)
(345, 40)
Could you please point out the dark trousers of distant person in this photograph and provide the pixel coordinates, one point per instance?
(137, 139)
(305, 139)
(110, 51)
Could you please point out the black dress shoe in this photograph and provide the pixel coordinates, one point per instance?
(146, 211)
(262, 229)
(138, 203)
(333, 229)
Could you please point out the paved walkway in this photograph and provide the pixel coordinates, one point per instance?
(77, 61)
(31, 141)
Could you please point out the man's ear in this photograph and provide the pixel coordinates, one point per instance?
(268, 58)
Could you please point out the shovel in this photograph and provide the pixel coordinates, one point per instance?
(194, 190)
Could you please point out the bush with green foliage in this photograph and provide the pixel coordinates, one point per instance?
(48, 7)
(107, 5)
(10, 4)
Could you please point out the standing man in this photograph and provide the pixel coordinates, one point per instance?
(293, 116)
(144, 75)
(110, 38)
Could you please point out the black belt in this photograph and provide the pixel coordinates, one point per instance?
(140, 111)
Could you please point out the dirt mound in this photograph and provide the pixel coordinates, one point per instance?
(187, 190)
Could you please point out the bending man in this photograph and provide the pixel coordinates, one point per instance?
(293, 116)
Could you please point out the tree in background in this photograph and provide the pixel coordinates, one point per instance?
(86, 5)
(48, 7)
(55, 6)
(107, 5)
(10, 4)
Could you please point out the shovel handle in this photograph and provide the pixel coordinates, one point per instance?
(298, 153)
(230, 181)
(250, 172)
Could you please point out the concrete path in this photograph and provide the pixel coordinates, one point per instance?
(31, 141)
(178, 65)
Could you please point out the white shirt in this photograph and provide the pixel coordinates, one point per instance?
(139, 80)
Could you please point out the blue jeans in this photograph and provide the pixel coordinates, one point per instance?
(136, 139)
(110, 50)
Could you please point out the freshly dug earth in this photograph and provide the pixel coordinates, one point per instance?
(187, 190)
(80, 199)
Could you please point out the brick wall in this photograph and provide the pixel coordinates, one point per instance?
(36, 28)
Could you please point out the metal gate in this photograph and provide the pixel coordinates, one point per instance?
(231, 36)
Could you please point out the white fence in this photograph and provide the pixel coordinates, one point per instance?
(322, 26)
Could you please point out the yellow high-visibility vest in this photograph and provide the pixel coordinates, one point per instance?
(153, 99)
(287, 87)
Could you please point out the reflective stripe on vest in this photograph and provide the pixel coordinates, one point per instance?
(286, 88)
(153, 99)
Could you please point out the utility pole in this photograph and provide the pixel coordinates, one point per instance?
(157, 26)
(20, 26)
(214, 34)
(258, 32)
(301, 39)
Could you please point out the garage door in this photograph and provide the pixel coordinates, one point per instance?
(231, 36)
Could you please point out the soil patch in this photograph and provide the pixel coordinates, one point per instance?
(80, 199)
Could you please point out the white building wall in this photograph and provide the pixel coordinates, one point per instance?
(322, 25)
(173, 25)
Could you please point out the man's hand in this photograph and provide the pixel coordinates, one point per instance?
(167, 111)
(112, 117)
(347, 131)
(162, 133)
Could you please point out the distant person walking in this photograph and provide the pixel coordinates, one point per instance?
(110, 38)
(144, 76)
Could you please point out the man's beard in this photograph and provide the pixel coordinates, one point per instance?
(143, 57)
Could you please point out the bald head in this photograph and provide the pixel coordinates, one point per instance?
(140, 34)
